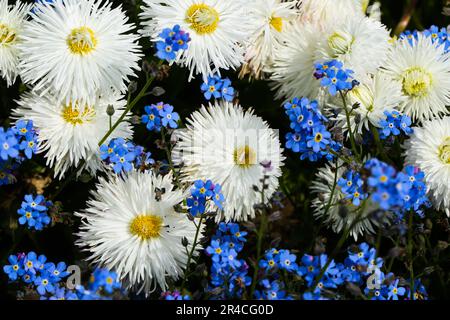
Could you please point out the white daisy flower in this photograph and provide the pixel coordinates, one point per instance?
(272, 18)
(429, 150)
(331, 10)
(340, 217)
(12, 19)
(70, 133)
(131, 229)
(359, 42)
(423, 70)
(226, 144)
(78, 49)
(374, 97)
(216, 28)
(293, 65)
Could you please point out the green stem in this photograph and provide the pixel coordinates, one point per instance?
(333, 189)
(338, 247)
(191, 253)
(259, 241)
(169, 158)
(410, 254)
(349, 127)
(130, 106)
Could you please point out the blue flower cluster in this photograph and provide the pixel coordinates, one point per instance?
(123, 155)
(174, 295)
(439, 36)
(351, 186)
(33, 212)
(218, 88)
(201, 193)
(172, 41)
(21, 137)
(394, 124)
(16, 144)
(47, 278)
(35, 270)
(274, 263)
(160, 115)
(436, 34)
(228, 273)
(399, 192)
(333, 76)
(361, 267)
(310, 137)
(104, 280)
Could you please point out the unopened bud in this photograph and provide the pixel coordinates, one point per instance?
(157, 91)
(132, 87)
(110, 110)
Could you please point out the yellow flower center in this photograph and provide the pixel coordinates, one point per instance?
(82, 40)
(109, 280)
(340, 42)
(74, 115)
(276, 23)
(202, 18)
(444, 151)
(28, 215)
(218, 251)
(244, 157)
(318, 137)
(417, 82)
(146, 226)
(7, 36)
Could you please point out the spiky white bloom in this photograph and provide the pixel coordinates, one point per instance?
(331, 10)
(216, 28)
(78, 49)
(423, 70)
(130, 228)
(340, 217)
(226, 144)
(271, 18)
(70, 133)
(12, 19)
(360, 43)
(293, 66)
(377, 95)
(429, 150)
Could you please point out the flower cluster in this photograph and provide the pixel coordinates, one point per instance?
(160, 115)
(21, 137)
(47, 278)
(218, 88)
(333, 76)
(33, 212)
(274, 263)
(361, 268)
(123, 155)
(394, 191)
(394, 124)
(104, 280)
(228, 273)
(437, 36)
(351, 186)
(16, 144)
(174, 295)
(172, 41)
(35, 270)
(310, 137)
(201, 193)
